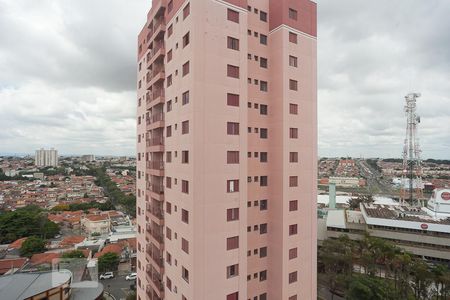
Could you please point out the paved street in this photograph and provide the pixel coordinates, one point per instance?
(117, 286)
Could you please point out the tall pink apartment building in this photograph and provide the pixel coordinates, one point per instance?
(227, 142)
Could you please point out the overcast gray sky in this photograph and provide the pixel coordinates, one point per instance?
(67, 75)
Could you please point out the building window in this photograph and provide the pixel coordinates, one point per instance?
(262, 252)
(263, 109)
(168, 131)
(263, 86)
(169, 207)
(293, 85)
(263, 16)
(185, 127)
(293, 157)
(232, 214)
(292, 37)
(169, 55)
(293, 109)
(185, 186)
(293, 133)
(232, 242)
(169, 156)
(186, 69)
(263, 157)
(263, 62)
(169, 182)
(169, 80)
(169, 30)
(169, 233)
(293, 205)
(263, 204)
(233, 15)
(263, 181)
(184, 157)
(263, 133)
(169, 105)
(185, 216)
(263, 228)
(169, 283)
(186, 40)
(262, 275)
(185, 245)
(232, 128)
(185, 98)
(233, 296)
(232, 271)
(292, 14)
(292, 277)
(232, 71)
(263, 39)
(293, 229)
(232, 186)
(293, 181)
(186, 11)
(185, 274)
(292, 61)
(232, 99)
(232, 157)
(292, 253)
(232, 43)
(293, 297)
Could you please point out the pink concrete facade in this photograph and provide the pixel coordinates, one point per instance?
(226, 151)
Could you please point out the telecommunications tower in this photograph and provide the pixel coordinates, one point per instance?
(412, 186)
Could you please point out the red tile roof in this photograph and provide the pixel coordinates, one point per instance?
(72, 240)
(96, 218)
(17, 244)
(44, 258)
(115, 248)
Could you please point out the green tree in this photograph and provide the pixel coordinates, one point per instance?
(108, 262)
(421, 279)
(32, 245)
(73, 254)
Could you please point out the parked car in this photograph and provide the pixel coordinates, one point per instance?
(131, 276)
(107, 275)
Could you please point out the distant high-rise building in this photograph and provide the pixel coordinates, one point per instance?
(227, 150)
(46, 158)
(88, 158)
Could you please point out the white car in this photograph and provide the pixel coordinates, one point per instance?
(107, 275)
(131, 276)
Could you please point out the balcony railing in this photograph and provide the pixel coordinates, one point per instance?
(155, 165)
(155, 141)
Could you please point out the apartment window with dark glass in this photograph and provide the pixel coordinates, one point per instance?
(292, 37)
(168, 156)
(263, 181)
(169, 105)
(232, 157)
(232, 128)
(263, 157)
(293, 133)
(262, 275)
(233, 15)
(169, 55)
(169, 283)
(232, 71)
(168, 207)
(263, 16)
(263, 133)
(185, 274)
(168, 131)
(263, 228)
(232, 99)
(168, 182)
(293, 109)
(185, 245)
(186, 69)
(186, 40)
(232, 214)
(293, 181)
(263, 296)
(292, 61)
(232, 186)
(292, 253)
(185, 127)
(263, 39)
(185, 98)
(262, 252)
(185, 186)
(169, 80)
(169, 233)
(263, 86)
(293, 85)
(293, 229)
(233, 296)
(232, 271)
(263, 62)
(293, 205)
(263, 204)
(185, 216)
(293, 157)
(292, 14)
(232, 43)
(292, 277)
(263, 109)
(184, 157)
(232, 242)
(169, 30)
(186, 11)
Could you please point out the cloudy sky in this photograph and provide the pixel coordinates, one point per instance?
(67, 75)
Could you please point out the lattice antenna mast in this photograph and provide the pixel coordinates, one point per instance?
(412, 165)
